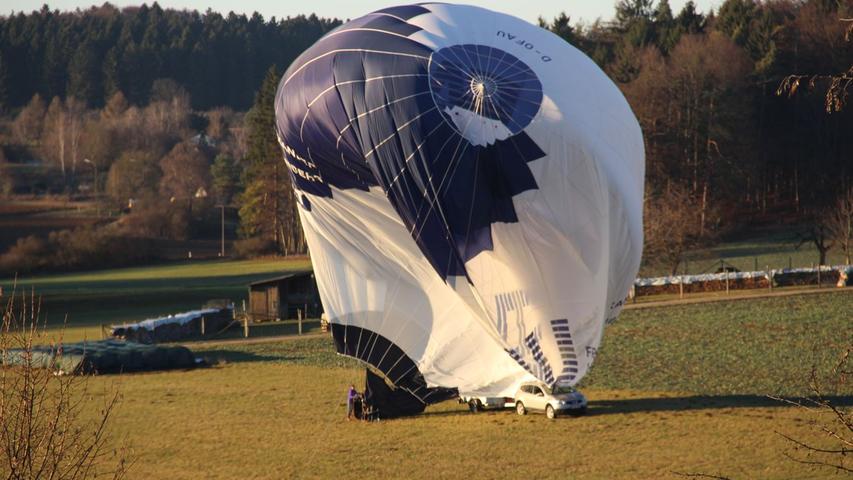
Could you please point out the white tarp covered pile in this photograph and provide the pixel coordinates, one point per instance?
(773, 274)
(178, 319)
(175, 327)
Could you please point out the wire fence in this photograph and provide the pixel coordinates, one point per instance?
(727, 278)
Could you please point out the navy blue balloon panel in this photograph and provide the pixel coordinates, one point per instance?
(368, 106)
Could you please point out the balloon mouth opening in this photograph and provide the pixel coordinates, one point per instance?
(482, 87)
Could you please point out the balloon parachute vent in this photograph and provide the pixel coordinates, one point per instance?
(488, 94)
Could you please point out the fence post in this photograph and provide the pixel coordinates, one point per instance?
(245, 326)
(770, 278)
(299, 319)
(818, 275)
(202, 326)
(727, 282)
(681, 286)
(812, 267)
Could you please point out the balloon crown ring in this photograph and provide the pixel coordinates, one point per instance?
(482, 87)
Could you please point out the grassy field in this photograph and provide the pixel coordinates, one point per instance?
(127, 295)
(676, 389)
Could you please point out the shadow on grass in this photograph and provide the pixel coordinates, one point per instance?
(214, 357)
(699, 402)
(671, 404)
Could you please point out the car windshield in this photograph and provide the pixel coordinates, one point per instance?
(560, 390)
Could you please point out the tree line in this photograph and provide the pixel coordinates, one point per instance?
(726, 146)
(94, 53)
(149, 103)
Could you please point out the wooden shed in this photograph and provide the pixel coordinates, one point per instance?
(280, 298)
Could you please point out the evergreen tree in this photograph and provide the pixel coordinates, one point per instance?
(4, 84)
(111, 73)
(689, 20)
(734, 18)
(267, 206)
(226, 178)
(562, 28)
(667, 32)
(84, 76)
(629, 11)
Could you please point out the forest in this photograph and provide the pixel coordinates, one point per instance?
(158, 116)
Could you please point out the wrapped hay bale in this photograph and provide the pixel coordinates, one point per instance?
(106, 356)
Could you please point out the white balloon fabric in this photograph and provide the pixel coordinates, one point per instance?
(471, 190)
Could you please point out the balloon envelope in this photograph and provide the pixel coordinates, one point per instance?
(471, 190)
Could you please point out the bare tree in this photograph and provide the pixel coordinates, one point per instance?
(670, 226)
(688, 104)
(74, 111)
(134, 175)
(834, 421)
(43, 433)
(186, 169)
(7, 177)
(217, 123)
(168, 113)
(28, 124)
(839, 221)
(115, 107)
(819, 233)
(53, 140)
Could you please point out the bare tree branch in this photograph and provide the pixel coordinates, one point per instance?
(699, 475)
(43, 433)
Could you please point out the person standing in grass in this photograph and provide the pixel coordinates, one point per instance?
(351, 400)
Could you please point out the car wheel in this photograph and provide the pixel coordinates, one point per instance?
(550, 413)
(519, 408)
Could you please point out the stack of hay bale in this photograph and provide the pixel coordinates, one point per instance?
(177, 327)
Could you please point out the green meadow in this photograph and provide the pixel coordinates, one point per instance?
(675, 390)
(679, 389)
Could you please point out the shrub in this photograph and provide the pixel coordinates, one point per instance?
(153, 217)
(78, 249)
(29, 254)
(254, 247)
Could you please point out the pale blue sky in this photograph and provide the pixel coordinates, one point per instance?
(587, 10)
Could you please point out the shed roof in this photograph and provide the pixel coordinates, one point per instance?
(286, 276)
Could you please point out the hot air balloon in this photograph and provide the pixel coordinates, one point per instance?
(471, 191)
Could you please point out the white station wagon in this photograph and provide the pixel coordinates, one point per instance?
(535, 396)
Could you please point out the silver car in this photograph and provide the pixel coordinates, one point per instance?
(536, 396)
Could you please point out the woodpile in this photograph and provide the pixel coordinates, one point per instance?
(720, 282)
(182, 328)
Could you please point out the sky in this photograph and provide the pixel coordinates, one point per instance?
(530, 10)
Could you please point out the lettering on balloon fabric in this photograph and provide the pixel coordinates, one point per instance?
(505, 303)
(566, 345)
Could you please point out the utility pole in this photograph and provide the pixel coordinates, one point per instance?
(222, 231)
